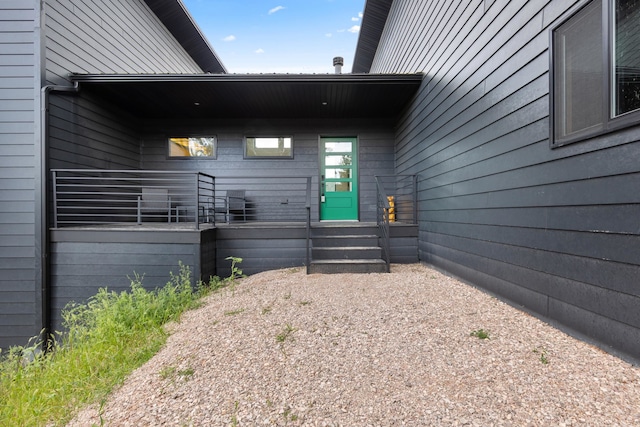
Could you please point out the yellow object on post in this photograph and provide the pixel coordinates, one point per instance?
(392, 209)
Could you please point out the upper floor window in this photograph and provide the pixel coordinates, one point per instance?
(192, 147)
(596, 70)
(265, 147)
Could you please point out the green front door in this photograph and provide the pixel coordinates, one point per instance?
(339, 179)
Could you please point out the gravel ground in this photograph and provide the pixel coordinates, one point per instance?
(398, 349)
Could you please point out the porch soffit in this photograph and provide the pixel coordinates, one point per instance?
(254, 96)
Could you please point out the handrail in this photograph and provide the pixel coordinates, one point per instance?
(382, 219)
(308, 208)
(403, 192)
(94, 197)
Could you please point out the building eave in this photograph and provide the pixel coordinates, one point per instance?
(186, 96)
(179, 22)
(373, 22)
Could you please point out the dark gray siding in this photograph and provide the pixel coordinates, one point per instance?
(109, 36)
(83, 261)
(19, 104)
(555, 230)
(375, 151)
(84, 133)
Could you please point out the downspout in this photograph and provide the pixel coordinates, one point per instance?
(44, 248)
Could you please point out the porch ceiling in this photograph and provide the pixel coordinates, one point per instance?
(255, 95)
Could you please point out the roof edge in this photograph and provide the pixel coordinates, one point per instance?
(175, 16)
(374, 19)
(247, 78)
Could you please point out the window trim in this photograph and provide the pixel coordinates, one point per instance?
(609, 123)
(212, 157)
(246, 156)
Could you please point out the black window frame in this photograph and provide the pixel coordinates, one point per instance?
(214, 156)
(246, 155)
(609, 122)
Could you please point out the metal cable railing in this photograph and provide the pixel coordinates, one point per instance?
(92, 197)
(98, 196)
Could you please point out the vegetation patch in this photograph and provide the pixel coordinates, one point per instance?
(105, 340)
(480, 333)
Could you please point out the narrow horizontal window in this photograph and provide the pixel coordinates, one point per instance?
(268, 147)
(192, 147)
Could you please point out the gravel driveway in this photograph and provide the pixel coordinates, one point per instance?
(398, 349)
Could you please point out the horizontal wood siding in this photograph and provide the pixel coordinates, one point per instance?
(19, 104)
(84, 261)
(94, 36)
(85, 133)
(375, 145)
(555, 230)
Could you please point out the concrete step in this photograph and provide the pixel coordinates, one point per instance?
(349, 240)
(335, 266)
(351, 252)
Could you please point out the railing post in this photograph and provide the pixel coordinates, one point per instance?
(415, 199)
(196, 212)
(308, 209)
(55, 199)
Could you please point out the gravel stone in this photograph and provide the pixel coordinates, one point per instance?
(288, 349)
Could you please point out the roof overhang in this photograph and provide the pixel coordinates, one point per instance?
(373, 21)
(179, 22)
(255, 96)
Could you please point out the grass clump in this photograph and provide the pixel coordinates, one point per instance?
(106, 339)
(480, 333)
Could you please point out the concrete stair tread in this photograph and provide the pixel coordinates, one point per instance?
(338, 248)
(347, 261)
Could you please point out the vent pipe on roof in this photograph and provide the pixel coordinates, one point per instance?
(338, 62)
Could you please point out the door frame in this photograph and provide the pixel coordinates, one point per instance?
(356, 180)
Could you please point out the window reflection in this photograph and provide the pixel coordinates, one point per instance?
(192, 147)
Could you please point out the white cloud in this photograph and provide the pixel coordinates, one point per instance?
(328, 35)
(355, 19)
(229, 38)
(258, 51)
(360, 15)
(340, 31)
(275, 9)
(354, 29)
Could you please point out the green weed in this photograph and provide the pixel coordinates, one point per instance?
(105, 340)
(480, 333)
(285, 334)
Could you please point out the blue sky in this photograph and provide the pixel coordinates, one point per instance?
(280, 36)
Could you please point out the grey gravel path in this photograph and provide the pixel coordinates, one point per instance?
(399, 349)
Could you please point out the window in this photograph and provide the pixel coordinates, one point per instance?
(193, 147)
(596, 70)
(268, 147)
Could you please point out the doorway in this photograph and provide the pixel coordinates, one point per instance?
(338, 179)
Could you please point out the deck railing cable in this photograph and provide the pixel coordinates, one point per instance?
(98, 196)
(92, 197)
(383, 213)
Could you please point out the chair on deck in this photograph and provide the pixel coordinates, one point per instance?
(156, 202)
(233, 203)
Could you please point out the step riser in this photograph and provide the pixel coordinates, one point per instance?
(347, 253)
(341, 231)
(346, 249)
(347, 268)
(344, 242)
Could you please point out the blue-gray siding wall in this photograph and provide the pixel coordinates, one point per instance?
(85, 36)
(556, 230)
(19, 104)
(82, 261)
(109, 36)
(375, 151)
